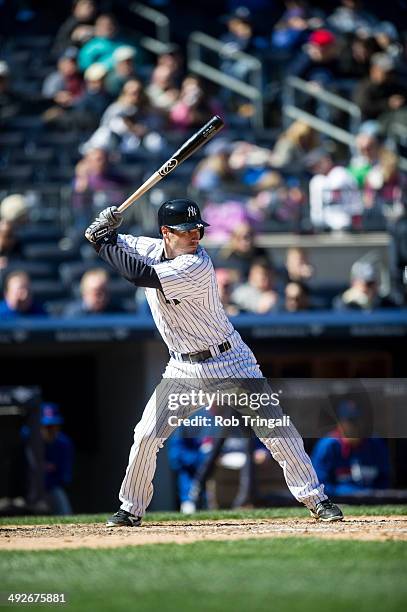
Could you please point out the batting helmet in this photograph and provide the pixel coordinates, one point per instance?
(181, 214)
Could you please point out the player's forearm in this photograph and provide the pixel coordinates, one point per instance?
(131, 268)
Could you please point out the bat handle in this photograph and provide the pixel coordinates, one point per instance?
(154, 178)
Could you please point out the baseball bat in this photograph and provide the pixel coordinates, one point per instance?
(189, 147)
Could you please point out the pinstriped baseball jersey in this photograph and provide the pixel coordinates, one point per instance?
(188, 311)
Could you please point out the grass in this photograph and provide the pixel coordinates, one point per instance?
(260, 513)
(279, 574)
(293, 574)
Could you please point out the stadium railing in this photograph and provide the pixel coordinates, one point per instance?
(198, 41)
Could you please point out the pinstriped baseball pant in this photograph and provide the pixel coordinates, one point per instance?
(154, 428)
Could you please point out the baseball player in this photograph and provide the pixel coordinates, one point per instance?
(181, 289)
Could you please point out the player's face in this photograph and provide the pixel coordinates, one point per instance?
(180, 243)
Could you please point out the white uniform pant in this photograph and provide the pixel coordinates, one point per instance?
(153, 429)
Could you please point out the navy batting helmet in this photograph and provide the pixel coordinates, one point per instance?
(181, 214)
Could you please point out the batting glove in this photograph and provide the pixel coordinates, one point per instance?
(113, 217)
(108, 221)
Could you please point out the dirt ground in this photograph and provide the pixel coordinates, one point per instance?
(36, 537)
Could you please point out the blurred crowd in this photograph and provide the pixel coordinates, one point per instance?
(128, 109)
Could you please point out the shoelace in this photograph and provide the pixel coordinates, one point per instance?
(120, 513)
(327, 504)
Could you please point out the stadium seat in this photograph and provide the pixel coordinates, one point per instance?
(47, 289)
(38, 270)
(11, 139)
(71, 272)
(15, 176)
(37, 156)
(39, 232)
(322, 294)
(48, 251)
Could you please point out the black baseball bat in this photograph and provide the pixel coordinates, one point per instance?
(189, 147)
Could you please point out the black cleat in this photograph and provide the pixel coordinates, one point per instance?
(122, 518)
(327, 511)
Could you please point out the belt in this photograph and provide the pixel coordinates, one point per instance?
(199, 356)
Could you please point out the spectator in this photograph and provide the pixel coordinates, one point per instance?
(348, 463)
(232, 165)
(280, 202)
(123, 70)
(276, 201)
(77, 29)
(10, 101)
(174, 61)
(185, 457)
(258, 294)
(10, 247)
(226, 279)
(65, 85)
(225, 213)
(14, 209)
(240, 35)
(126, 122)
(250, 163)
(95, 178)
(214, 171)
(18, 300)
(350, 17)
(356, 56)
(387, 40)
(239, 38)
(363, 294)
(296, 297)
(292, 29)
(194, 107)
(95, 296)
(398, 257)
(297, 265)
(334, 198)
(380, 94)
(384, 183)
(240, 251)
(96, 99)
(295, 142)
(85, 112)
(101, 47)
(365, 158)
(162, 90)
(58, 455)
(318, 62)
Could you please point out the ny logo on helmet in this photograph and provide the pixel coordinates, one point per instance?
(191, 211)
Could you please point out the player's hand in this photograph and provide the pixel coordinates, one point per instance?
(108, 221)
(112, 216)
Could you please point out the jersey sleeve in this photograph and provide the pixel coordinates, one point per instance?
(186, 277)
(139, 247)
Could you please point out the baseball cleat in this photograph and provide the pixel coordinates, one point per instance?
(122, 518)
(327, 511)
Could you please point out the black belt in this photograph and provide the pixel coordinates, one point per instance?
(199, 356)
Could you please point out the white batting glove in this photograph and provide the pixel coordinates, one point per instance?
(113, 217)
(108, 220)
